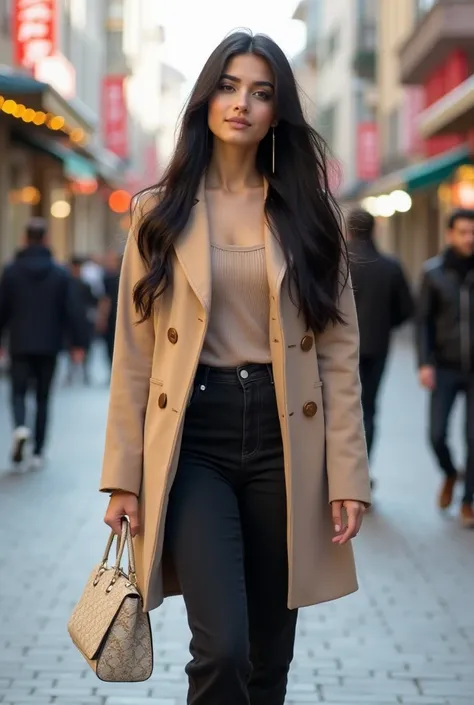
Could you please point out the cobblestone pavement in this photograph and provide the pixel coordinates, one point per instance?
(407, 637)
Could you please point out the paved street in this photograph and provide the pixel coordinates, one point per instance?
(407, 637)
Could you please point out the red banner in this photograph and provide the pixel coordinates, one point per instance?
(114, 116)
(34, 31)
(368, 162)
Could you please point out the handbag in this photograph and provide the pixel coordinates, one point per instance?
(108, 624)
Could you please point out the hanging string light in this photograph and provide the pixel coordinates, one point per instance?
(54, 123)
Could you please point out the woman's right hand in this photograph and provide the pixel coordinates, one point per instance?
(122, 504)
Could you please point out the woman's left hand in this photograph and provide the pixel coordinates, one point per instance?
(355, 511)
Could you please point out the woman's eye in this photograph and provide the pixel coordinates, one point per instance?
(226, 88)
(262, 95)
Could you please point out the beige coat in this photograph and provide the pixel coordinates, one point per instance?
(318, 394)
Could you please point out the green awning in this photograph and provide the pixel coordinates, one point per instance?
(75, 166)
(18, 84)
(435, 170)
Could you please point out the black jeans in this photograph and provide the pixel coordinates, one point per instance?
(226, 534)
(371, 368)
(449, 383)
(38, 369)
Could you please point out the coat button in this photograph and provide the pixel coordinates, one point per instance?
(310, 408)
(162, 400)
(173, 335)
(306, 343)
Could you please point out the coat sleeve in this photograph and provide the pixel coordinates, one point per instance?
(346, 450)
(131, 368)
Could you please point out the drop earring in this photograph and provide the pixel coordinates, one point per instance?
(273, 150)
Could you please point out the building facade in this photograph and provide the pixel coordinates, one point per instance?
(425, 122)
(80, 117)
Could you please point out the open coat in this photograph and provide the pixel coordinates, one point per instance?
(318, 396)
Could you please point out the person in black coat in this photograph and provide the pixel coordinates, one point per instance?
(38, 310)
(383, 302)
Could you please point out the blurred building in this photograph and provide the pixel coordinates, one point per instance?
(173, 85)
(305, 63)
(341, 40)
(80, 110)
(395, 100)
(425, 121)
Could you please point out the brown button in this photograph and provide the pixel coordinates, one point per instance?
(310, 408)
(173, 335)
(306, 343)
(162, 400)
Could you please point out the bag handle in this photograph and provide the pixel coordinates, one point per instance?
(124, 539)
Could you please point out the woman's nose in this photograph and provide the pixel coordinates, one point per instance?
(242, 102)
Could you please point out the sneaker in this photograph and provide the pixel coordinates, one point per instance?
(447, 491)
(36, 462)
(21, 436)
(467, 516)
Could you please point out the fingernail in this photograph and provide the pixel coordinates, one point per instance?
(337, 528)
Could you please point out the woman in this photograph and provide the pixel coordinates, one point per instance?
(234, 439)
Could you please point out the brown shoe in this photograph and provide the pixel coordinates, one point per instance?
(467, 516)
(447, 490)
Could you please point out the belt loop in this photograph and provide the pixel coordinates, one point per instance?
(270, 372)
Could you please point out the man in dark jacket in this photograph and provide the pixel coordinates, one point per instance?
(383, 301)
(445, 346)
(38, 308)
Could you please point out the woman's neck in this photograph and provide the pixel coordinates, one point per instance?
(232, 169)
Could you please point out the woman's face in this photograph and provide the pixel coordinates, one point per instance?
(242, 109)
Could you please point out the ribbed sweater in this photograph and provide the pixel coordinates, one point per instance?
(238, 331)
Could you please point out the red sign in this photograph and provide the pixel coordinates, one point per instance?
(114, 116)
(413, 104)
(34, 31)
(368, 163)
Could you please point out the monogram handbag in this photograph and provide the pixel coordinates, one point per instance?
(108, 624)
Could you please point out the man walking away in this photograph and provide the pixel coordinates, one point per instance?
(89, 304)
(38, 310)
(107, 315)
(383, 301)
(445, 346)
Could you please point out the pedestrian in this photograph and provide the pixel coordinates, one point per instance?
(107, 314)
(383, 303)
(88, 304)
(445, 343)
(38, 309)
(235, 441)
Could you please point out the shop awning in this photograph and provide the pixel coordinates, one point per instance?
(386, 184)
(76, 167)
(452, 113)
(430, 172)
(42, 96)
(433, 171)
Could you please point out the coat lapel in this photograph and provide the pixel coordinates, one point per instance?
(275, 258)
(193, 250)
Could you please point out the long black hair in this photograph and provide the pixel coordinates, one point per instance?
(299, 207)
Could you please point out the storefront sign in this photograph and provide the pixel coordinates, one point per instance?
(34, 31)
(114, 116)
(368, 160)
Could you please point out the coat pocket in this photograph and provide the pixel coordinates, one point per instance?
(156, 381)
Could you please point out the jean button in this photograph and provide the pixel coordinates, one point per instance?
(244, 374)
